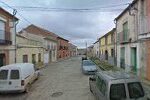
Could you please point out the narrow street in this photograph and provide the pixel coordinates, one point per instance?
(59, 81)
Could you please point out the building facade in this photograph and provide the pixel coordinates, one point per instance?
(63, 48)
(131, 46)
(8, 24)
(72, 50)
(29, 51)
(48, 40)
(144, 36)
(107, 47)
(96, 49)
(90, 51)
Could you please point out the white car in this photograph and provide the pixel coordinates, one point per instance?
(17, 77)
(88, 67)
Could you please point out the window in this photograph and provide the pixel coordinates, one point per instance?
(106, 40)
(39, 57)
(117, 92)
(25, 58)
(2, 30)
(125, 32)
(112, 38)
(112, 52)
(33, 58)
(14, 74)
(54, 53)
(101, 85)
(3, 74)
(135, 90)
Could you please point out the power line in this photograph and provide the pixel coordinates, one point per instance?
(24, 18)
(16, 11)
(39, 7)
(98, 9)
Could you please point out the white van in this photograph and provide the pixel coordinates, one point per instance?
(108, 85)
(17, 77)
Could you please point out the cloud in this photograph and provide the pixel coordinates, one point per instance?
(77, 27)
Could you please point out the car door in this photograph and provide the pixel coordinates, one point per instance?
(100, 89)
(14, 79)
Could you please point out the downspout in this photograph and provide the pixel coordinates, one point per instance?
(115, 43)
(14, 26)
(135, 26)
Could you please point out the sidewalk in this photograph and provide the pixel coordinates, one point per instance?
(146, 85)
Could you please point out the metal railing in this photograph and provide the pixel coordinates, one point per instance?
(5, 38)
(123, 36)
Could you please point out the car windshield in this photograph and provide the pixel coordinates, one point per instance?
(3, 74)
(88, 63)
(135, 90)
(117, 92)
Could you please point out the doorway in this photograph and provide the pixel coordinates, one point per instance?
(2, 60)
(50, 56)
(106, 55)
(122, 58)
(134, 59)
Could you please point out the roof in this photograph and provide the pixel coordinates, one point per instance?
(72, 45)
(18, 35)
(91, 46)
(110, 75)
(96, 41)
(62, 38)
(112, 31)
(39, 31)
(125, 10)
(19, 65)
(6, 12)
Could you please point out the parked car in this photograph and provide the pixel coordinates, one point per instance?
(84, 58)
(116, 86)
(17, 77)
(88, 67)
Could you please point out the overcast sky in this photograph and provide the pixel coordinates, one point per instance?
(77, 27)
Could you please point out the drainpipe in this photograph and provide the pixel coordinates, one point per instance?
(14, 26)
(135, 24)
(115, 43)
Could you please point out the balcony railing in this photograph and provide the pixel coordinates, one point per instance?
(5, 38)
(123, 37)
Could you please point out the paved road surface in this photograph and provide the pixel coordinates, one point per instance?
(59, 81)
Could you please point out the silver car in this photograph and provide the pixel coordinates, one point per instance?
(116, 86)
(88, 67)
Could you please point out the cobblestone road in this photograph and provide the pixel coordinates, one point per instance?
(59, 81)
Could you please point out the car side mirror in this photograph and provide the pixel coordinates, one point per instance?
(92, 79)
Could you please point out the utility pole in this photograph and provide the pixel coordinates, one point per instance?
(86, 48)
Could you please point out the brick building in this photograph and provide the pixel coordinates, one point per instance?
(63, 48)
(7, 37)
(48, 42)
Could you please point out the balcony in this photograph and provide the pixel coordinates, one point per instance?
(5, 38)
(123, 37)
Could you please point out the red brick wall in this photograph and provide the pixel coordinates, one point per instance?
(148, 60)
(148, 13)
(7, 28)
(63, 53)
